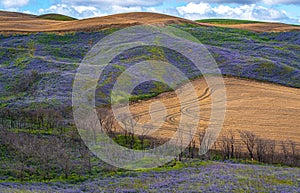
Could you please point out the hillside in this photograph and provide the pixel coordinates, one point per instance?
(198, 176)
(37, 71)
(227, 21)
(57, 17)
(269, 111)
(34, 67)
(15, 22)
(25, 23)
(15, 15)
(254, 26)
(54, 58)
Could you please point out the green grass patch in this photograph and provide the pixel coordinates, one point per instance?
(137, 145)
(274, 180)
(36, 131)
(57, 17)
(22, 60)
(227, 21)
(143, 97)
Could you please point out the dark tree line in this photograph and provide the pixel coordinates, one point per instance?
(47, 157)
(244, 144)
(52, 156)
(30, 119)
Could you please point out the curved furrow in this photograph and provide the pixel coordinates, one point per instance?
(202, 97)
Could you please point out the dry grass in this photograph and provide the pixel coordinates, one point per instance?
(28, 23)
(270, 111)
(259, 27)
(11, 22)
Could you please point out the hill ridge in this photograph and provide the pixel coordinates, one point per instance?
(19, 23)
(14, 22)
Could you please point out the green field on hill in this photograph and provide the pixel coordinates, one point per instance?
(227, 21)
(57, 17)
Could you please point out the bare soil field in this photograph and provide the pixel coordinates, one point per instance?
(16, 22)
(11, 22)
(259, 27)
(270, 111)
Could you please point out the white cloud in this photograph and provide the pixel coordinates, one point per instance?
(276, 2)
(74, 11)
(122, 3)
(225, 1)
(82, 9)
(254, 12)
(120, 9)
(14, 3)
(13, 9)
(249, 2)
(191, 8)
(87, 11)
(152, 9)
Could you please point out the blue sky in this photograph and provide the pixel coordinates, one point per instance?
(287, 11)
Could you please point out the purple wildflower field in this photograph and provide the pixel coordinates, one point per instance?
(38, 70)
(271, 57)
(197, 177)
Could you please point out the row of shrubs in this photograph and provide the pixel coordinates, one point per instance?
(28, 154)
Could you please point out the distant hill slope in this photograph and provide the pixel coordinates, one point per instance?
(27, 23)
(36, 66)
(227, 21)
(271, 57)
(12, 22)
(255, 26)
(57, 17)
(15, 14)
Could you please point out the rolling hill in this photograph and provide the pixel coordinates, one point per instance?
(16, 15)
(255, 26)
(41, 150)
(227, 21)
(25, 23)
(15, 22)
(57, 17)
(36, 66)
(202, 177)
(270, 57)
(270, 111)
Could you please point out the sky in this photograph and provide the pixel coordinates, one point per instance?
(286, 11)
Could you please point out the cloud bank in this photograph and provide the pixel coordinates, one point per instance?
(80, 11)
(121, 3)
(264, 10)
(74, 11)
(201, 10)
(14, 3)
(268, 2)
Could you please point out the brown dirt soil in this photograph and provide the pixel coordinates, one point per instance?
(11, 22)
(270, 111)
(16, 22)
(259, 27)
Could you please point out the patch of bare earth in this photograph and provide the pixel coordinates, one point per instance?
(270, 111)
(259, 27)
(15, 22)
(11, 22)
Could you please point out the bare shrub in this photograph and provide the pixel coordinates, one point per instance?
(227, 144)
(249, 139)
